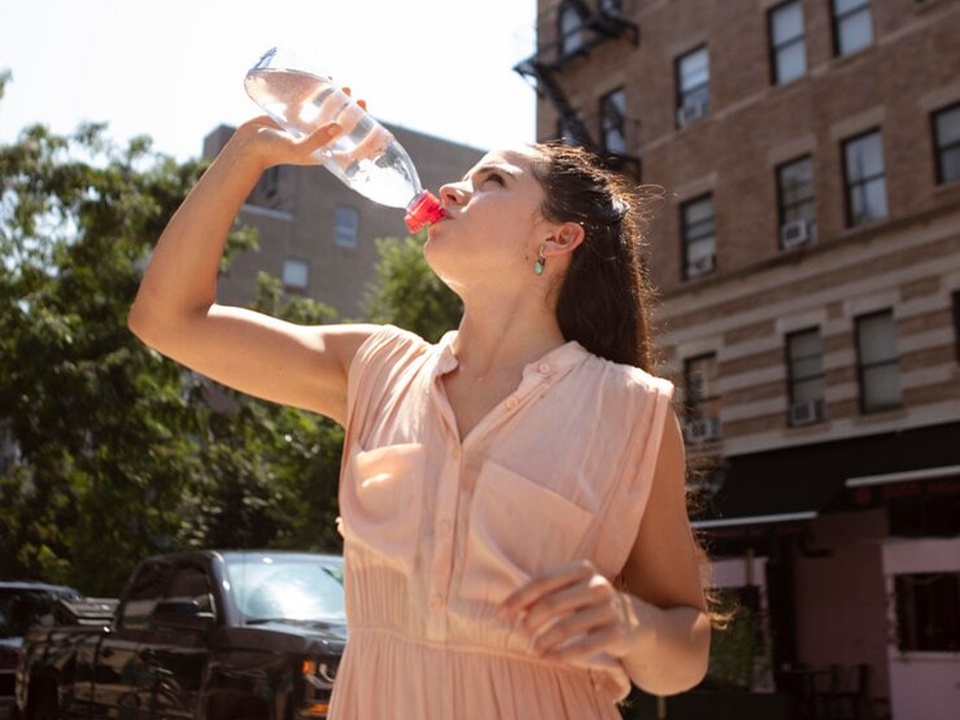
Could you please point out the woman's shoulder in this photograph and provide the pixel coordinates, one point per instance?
(391, 344)
(628, 378)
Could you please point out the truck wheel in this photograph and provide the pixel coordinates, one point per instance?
(43, 703)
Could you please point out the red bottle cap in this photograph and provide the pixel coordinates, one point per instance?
(424, 208)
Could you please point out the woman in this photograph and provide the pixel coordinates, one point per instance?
(512, 498)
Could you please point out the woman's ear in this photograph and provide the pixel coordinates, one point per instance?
(565, 239)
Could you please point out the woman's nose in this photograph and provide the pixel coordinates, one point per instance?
(452, 194)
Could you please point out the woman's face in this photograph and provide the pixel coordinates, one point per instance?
(494, 224)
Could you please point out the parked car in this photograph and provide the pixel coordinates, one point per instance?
(22, 605)
(215, 635)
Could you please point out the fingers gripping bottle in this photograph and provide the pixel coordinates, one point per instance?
(366, 156)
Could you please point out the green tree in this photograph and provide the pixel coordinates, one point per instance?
(123, 453)
(407, 293)
(270, 472)
(101, 422)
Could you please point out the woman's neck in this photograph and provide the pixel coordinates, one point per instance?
(489, 342)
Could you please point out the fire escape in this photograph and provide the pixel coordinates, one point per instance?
(579, 27)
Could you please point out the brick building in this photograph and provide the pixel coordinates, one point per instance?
(316, 234)
(808, 259)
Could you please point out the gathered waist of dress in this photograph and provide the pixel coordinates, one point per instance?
(604, 675)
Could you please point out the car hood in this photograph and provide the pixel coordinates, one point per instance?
(308, 636)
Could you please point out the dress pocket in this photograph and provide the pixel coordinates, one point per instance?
(517, 529)
(381, 498)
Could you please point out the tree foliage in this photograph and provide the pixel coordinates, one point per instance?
(407, 293)
(121, 453)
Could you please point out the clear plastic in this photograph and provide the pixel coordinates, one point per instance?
(366, 156)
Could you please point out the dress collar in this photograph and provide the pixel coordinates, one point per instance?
(554, 363)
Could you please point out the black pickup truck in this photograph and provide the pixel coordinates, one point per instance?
(206, 635)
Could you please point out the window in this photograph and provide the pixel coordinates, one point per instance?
(956, 322)
(699, 239)
(701, 402)
(865, 179)
(613, 111)
(613, 8)
(146, 591)
(946, 131)
(693, 86)
(877, 361)
(568, 129)
(795, 200)
(270, 181)
(570, 29)
(805, 372)
(928, 611)
(296, 275)
(266, 193)
(788, 48)
(852, 26)
(346, 226)
(192, 584)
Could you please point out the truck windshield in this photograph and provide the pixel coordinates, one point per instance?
(276, 588)
(20, 609)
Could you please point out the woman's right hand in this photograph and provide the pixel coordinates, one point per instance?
(272, 145)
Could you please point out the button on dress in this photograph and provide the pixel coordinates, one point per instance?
(438, 531)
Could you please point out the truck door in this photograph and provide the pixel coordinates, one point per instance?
(175, 650)
(122, 685)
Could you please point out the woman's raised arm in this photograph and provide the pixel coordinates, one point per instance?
(176, 313)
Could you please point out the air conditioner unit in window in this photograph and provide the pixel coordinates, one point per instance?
(795, 233)
(808, 412)
(693, 110)
(702, 430)
(702, 266)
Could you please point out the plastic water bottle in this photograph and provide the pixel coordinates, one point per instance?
(366, 156)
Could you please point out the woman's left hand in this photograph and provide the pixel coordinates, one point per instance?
(573, 613)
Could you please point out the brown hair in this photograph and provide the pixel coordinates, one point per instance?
(605, 297)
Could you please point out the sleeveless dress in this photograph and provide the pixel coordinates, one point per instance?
(438, 532)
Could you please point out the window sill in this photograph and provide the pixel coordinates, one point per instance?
(911, 656)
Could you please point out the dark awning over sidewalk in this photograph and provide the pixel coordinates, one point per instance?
(797, 483)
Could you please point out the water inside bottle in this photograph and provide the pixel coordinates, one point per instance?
(366, 157)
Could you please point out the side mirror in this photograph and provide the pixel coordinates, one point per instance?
(182, 615)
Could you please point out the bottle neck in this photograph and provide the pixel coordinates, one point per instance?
(425, 208)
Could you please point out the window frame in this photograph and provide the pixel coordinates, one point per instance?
(688, 236)
(611, 8)
(862, 184)
(840, 20)
(687, 96)
(793, 210)
(941, 149)
(914, 610)
(776, 48)
(351, 235)
(569, 39)
(613, 118)
(956, 321)
(794, 379)
(299, 263)
(865, 366)
(701, 410)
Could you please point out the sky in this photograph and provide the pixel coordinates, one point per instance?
(174, 70)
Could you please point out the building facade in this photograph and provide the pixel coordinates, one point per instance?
(808, 260)
(316, 234)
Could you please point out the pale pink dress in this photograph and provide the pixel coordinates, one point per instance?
(437, 532)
